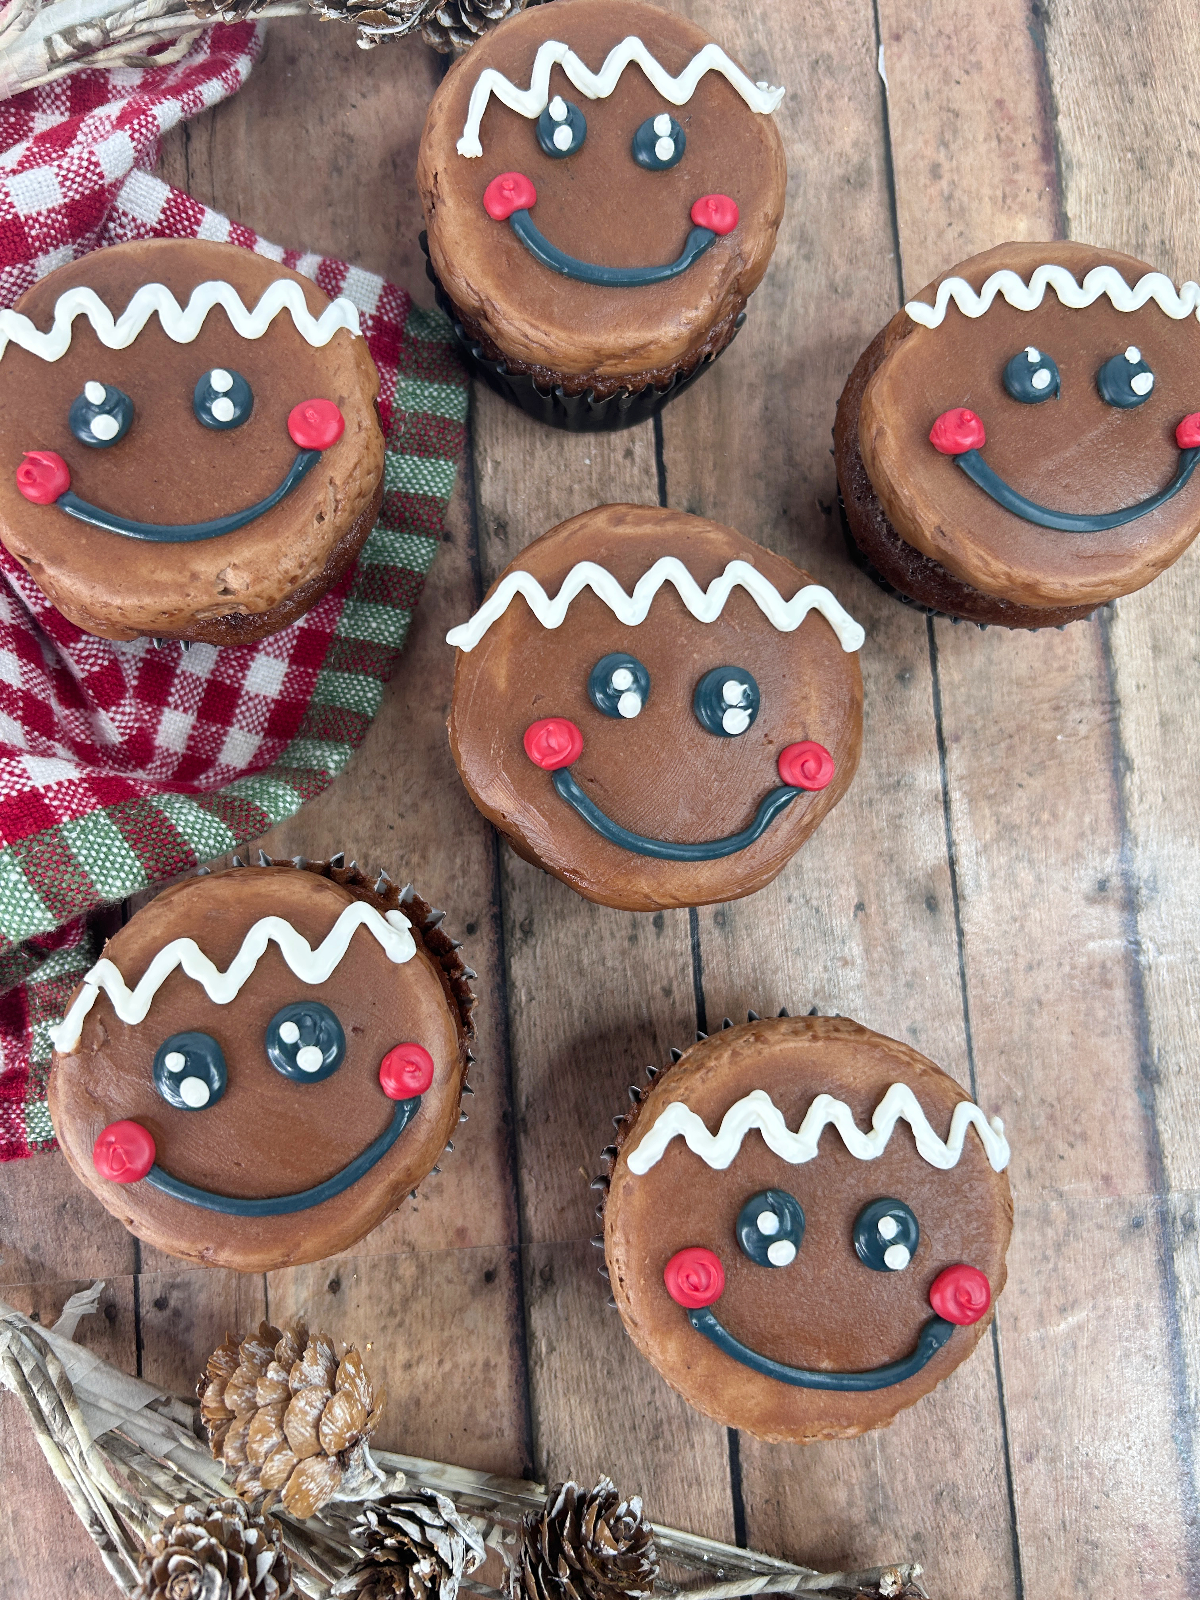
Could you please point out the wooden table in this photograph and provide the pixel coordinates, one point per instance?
(1011, 883)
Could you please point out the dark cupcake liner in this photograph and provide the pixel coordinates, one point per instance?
(574, 413)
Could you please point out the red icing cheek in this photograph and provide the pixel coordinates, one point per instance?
(960, 1294)
(315, 424)
(511, 191)
(405, 1071)
(124, 1152)
(694, 1277)
(43, 476)
(807, 765)
(955, 432)
(1187, 434)
(553, 742)
(716, 211)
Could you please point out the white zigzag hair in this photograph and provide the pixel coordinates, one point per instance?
(704, 604)
(758, 1110)
(678, 91)
(1177, 303)
(180, 323)
(391, 931)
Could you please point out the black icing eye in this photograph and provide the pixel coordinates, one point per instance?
(561, 128)
(1031, 376)
(659, 143)
(770, 1228)
(222, 399)
(1125, 380)
(101, 415)
(619, 685)
(886, 1235)
(726, 701)
(189, 1071)
(305, 1041)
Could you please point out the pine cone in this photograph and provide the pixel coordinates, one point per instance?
(584, 1546)
(416, 1547)
(291, 1419)
(454, 25)
(221, 1550)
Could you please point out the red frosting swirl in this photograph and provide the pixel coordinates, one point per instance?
(694, 1277)
(511, 191)
(1187, 434)
(955, 432)
(405, 1071)
(806, 765)
(553, 742)
(124, 1152)
(716, 211)
(960, 1294)
(315, 424)
(43, 476)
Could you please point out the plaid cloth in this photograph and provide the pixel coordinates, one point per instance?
(125, 764)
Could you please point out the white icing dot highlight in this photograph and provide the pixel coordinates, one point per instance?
(664, 149)
(622, 678)
(735, 720)
(174, 1061)
(94, 393)
(309, 1058)
(105, 427)
(220, 380)
(662, 124)
(896, 1257)
(733, 692)
(887, 1227)
(1032, 354)
(782, 1253)
(563, 137)
(767, 1223)
(222, 409)
(1041, 378)
(1142, 382)
(630, 703)
(194, 1092)
(289, 1032)
(1133, 355)
(558, 109)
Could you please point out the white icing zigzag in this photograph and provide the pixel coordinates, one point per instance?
(758, 1110)
(1155, 286)
(180, 323)
(704, 604)
(391, 931)
(533, 101)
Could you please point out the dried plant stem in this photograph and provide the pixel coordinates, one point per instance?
(126, 1456)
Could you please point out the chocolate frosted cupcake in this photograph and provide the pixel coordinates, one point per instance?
(1018, 444)
(655, 709)
(232, 1095)
(805, 1226)
(602, 187)
(190, 443)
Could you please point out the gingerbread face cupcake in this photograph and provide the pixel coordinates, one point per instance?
(602, 187)
(805, 1226)
(228, 1090)
(1018, 445)
(655, 709)
(190, 443)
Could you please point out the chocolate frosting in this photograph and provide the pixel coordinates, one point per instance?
(661, 773)
(827, 1309)
(597, 203)
(170, 469)
(1075, 453)
(267, 1135)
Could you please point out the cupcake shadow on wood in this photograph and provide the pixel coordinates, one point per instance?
(265, 1062)
(602, 187)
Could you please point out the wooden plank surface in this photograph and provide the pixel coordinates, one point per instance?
(1011, 884)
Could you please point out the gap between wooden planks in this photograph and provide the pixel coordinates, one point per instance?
(1008, 884)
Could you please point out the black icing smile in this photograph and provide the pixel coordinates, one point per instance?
(934, 1335)
(665, 849)
(185, 532)
(281, 1205)
(535, 241)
